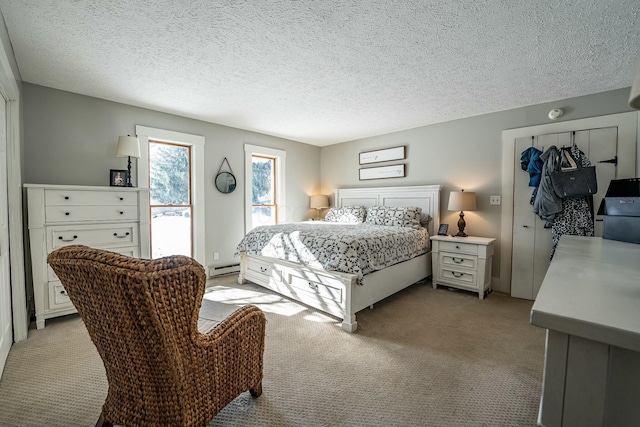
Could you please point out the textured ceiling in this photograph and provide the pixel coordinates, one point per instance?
(323, 72)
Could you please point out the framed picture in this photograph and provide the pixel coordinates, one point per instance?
(442, 231)
(381, 172)
(395, 153)
(118, 177)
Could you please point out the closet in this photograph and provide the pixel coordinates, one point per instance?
(531, 245)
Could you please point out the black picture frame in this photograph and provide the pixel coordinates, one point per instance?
(118, 177)
(442, 231)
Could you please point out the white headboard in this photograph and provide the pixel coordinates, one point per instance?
(426, 197)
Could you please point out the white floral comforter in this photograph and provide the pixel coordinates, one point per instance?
(349, 248)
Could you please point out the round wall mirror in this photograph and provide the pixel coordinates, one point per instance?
(225, 182)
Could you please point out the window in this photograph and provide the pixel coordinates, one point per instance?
(196, 145)
(265, 170)
(264, 209)
(170, 199)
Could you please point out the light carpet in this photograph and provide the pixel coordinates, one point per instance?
(422, 357)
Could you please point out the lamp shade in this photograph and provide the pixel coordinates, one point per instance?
(319, 201)
(634, 97)
(128, 146)
(462, 201)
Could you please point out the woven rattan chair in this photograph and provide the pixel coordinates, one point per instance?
(142, 316)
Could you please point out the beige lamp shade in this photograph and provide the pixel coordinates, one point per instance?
(462, 201)
(634, 97)
(319, 201)
(128, 146)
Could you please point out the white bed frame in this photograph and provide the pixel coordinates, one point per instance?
(338, 293)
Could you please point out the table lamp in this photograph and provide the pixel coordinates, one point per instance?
(319, 202)
(128, 146)
(461, 201)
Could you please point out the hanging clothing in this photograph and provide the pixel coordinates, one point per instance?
(547, 204)
(576, 217)
(530, 162)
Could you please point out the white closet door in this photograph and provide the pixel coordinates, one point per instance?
(532, 242)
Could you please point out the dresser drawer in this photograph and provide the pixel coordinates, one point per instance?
(58, 298)
(315, 288)
(458, 260)
(461, 248)
(460, 277)
(89, 198)
(132, 251)
(90, 213)
(92, 235)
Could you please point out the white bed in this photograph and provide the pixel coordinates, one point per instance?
(343, 294)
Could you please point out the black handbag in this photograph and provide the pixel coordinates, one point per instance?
(574, 180)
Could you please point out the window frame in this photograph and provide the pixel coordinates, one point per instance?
(197, 143)
(189, 204)
(280, 157)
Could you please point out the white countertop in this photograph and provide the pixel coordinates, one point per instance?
(592, 290)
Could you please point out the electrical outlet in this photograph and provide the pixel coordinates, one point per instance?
(216, 256)
(494, 200)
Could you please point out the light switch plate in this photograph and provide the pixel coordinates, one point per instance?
(494, 200)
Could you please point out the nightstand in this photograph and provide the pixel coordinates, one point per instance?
(462, 262)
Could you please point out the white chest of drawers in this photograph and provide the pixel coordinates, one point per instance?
(112, 218)
(462, 262)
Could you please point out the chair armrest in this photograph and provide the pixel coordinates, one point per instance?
(248, 321)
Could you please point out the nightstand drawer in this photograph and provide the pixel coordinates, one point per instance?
(461, 248)
(457, 260)
(467, 278)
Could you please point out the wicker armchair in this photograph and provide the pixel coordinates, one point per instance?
(142, 316)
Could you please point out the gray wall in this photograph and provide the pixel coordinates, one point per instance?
(71, 139)
(461, 154)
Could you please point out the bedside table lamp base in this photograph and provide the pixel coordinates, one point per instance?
(461, 225)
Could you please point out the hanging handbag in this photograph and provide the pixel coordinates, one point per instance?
(573, 180)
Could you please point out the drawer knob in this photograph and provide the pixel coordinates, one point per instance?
(457, 247)
(121, 213)
(121, 237)
(67, 240)
(263, 269)
(121, 198)
(313, 286)
(66, 197)
(456, 274)
(67, 213)
(458, 260)
(63, 292)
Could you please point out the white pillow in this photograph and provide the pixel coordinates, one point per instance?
(347, 214)
(399, 217)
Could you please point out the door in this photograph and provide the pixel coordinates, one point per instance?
(531, 241)
(6, 329)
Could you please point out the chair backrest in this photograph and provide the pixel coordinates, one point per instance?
(142, 315)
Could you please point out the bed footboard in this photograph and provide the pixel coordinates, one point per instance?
(332, 292)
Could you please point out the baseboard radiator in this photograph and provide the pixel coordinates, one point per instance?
(221, 270)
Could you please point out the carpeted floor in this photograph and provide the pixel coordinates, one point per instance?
(422, 357)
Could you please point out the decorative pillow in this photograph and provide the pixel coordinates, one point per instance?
(347, 214)
(399, 217)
